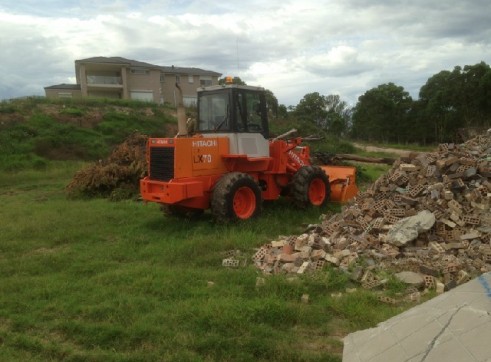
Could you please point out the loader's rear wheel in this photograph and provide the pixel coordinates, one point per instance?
(236, 196)
(310, 187)
(180, 211)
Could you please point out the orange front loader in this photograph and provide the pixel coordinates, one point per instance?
(230, 166)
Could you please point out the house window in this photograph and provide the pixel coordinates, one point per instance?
(189, 101)
(205, 81)
(142, 95)
(178, 79)
(139, 71)
(190, 79)
(64, 94)
(162, 77)
(105, 78)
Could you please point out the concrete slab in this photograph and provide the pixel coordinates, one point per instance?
(453, 327)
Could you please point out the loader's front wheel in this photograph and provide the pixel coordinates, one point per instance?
(310, 187)
(236, 196)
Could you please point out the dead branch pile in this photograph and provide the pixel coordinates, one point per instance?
(116, 177)
(428, 217)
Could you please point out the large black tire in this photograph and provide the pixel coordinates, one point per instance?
(236, 196)
(310, 187)
(180, 211)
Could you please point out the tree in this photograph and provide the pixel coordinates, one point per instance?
(382, 114)
(475, 86)
(328, 113)
(338, 115)
(457, 99)
(312, 107)
(271, 103)
(419, 130)
(438, 99)
(282, 111)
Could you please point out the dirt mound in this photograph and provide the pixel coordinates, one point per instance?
(116, 177)
(429, 216)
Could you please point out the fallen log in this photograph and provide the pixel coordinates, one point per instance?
(348, 157)
(332, 159)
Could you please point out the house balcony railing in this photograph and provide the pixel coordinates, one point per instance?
(103, 79)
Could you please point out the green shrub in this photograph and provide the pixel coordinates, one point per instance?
(333, 145)
(368, 173)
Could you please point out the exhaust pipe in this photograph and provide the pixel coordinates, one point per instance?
(181, 114)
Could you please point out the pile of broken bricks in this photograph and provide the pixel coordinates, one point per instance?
(428, 220)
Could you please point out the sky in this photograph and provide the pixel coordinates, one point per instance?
(291, 47)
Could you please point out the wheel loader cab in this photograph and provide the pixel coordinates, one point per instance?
(237, 112)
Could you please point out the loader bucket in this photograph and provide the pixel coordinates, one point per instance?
(343, 182)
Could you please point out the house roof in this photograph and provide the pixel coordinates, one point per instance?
(64, 86)
(136, 63)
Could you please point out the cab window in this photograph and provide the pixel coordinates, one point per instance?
(214, 112)
(253, 110)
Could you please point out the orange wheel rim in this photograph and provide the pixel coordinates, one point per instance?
(317, 192)
(244, 203)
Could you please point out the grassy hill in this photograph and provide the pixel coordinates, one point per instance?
(36, 130)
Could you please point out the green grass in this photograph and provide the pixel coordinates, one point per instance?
(34, 131)
(367, 173)
(93, 280)
(27, 104)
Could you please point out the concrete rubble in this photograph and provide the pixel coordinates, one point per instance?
(430, 215)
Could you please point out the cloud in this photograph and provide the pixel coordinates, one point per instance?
(291, 47)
